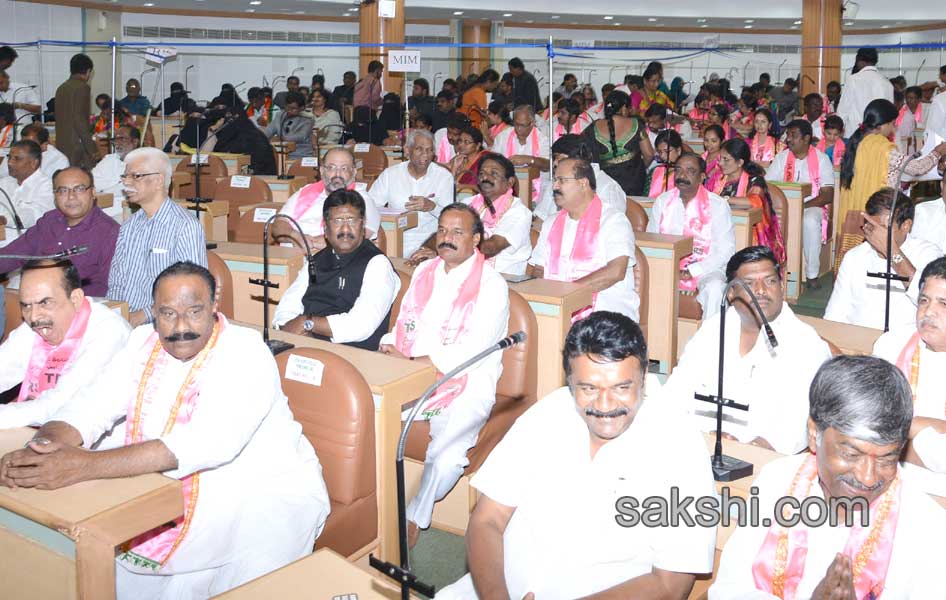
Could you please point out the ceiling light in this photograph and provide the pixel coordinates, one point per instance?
(749, 21)
(747, 27)
(849, 23)
(530, 21)
(149, 3)
(256, 2)
(608, 18)
(507, 14)
(556, 17)
(616, 24)
(661, 25)
(458, 12)
(701, 20)
(250, 10)
(797, 23)
(704, 26)
(652, 19)
(885, 26)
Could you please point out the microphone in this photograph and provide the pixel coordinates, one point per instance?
(402, 574)
(773, 342)
(288, 125)
(56, 256)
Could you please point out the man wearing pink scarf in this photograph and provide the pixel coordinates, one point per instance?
(587, 242)
(456, 306)
(524, 144)
(859, 420)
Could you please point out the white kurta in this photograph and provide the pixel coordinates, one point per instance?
(394, 188)
(379, 286)
(615, 239)
(105, 334)
(23, 94)
(936, 120)
(32, 200)
(712, 268)
(859, 300)
(262, 499)
(811, 220)
(929, 222)
(53, 160)
(930, 402)
(107, 175)
(562, 540)
(915, 571)
(515, 227)
(610, 192)
(501, 141)
(311, 220)
(859, 90)
(439, 144)
(773, 382)
(454, 431)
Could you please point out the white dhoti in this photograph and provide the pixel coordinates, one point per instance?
(811, 241)
(710, 292)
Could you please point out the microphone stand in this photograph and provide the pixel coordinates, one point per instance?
(888, 275)
(197, 200)
(277, 346)
(728, 468)
(402, 574)
(55, 256)
(17, 222)
(283, 153)
(17, 122)
(28, 113)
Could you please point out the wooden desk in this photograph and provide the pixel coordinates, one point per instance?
(663, 253)
(61, 543)
(525, 175)
(744, 219)
(851, 339)
(323, 575)
(695, 145)
(796, 193)
(393, 382)
(104, 201)
(283, 188)
(394, 225)
(246, 261)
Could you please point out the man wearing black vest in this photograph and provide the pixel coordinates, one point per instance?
(346, 294)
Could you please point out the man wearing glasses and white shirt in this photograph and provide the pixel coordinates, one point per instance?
(158, 235)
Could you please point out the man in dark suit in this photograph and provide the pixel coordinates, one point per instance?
(73, 107)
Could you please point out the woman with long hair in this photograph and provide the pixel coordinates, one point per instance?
(669, 146)
(497, 120)
(620, 144)
(764, 143)
(743, 178)
(719, 115)
(713, 138)
(465, 165)
(872, 161)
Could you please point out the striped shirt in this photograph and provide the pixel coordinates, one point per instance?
(148, 246)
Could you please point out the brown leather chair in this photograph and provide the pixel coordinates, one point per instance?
(14, 316)
(851, 235)
(689, 307)
(396, 306)
(636, 215)
(210, 171)
(258, 192)
(372, 162)
(248, 231)
(642, 286)
(515, 391)
(337, 417)
(310, 174)
(221, 272)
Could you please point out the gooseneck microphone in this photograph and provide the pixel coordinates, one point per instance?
(55, 256)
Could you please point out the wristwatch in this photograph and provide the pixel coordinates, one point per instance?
(896, 258)
(307, 325)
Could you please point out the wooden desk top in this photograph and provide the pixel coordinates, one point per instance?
(68, 508)
(216, 208)
(548, 291)
(664, 240)
(322, 575)
(851, 339)
(254, 252)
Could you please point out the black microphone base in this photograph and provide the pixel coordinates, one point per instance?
(727, 468)
(285, 177)
(278, 346)
(407, 580)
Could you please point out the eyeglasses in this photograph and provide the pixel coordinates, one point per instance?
(135, 176)
(561, 180)
(349, 221)
(343, 169)
(65, 191)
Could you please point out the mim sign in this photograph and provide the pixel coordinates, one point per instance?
(403, 61)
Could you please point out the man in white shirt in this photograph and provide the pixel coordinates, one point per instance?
(507, 223)
(63, 344)
(545, 523)
(691, 210)
(53, 160)
(456, 306)
(21, 96)
(305, 206)
(858, 299)
(795, 164)
(254, 499)
(936, 121)
(859, 419)
(109, 170)
(345, 294)
(572, 146)
(416, 185)
(772, 381)
(446, 138)
(919, 351)
(525, 144)
(27, 188)
(587, 242)
(864, 85)
(929, 219)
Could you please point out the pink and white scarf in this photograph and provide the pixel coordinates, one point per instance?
(445, 150)
(584, 257)
(696, 225)
(577, 127)
(47, 362)
(917, 116)
(660, 182)
(837, 154)
(309, 196)
(814, 176)
(764, 152)
(533, 140)
(500, 206)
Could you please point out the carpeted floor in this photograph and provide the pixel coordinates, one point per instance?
(813, 302)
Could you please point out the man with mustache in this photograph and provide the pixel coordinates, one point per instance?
(346, 294)
(63, 344)
(858, 425)
(253, 495)
(773, 382)
(506, 241)
(545, 525)
(29, 192)
(693, 211)
(524, 143)
(109, 170)
(416, 185)
(587, 242)
(918, 352)
(338, 171)
(456, 306)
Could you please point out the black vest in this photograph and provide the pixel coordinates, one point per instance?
(337, 285)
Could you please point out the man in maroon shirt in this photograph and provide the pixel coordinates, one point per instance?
(76, 221)
(368, 90)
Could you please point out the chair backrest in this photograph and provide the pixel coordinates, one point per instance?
(396, 307)
(259, 191)
(337, 417)
(14, 316)
(520, 363)
(221, 272)
(850, 236)
(248, 229)
(214, 166)
(373, 162)
(310, 174)
(636, 215)
(642, 285)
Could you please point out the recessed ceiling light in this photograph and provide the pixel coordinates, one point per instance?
(749, 21)
(616, 24)
(507, 14)
(300, 12)
(794, 27)
(701, 20)
(661, 25)
(652, 19)
(250, 10)
(849, 23)
(747, 27)
(885, 26)
(458, 12)
(704, 26)
(256, 2)
(556, 17)
(797, 23)
(608, 18)
(149, 3)
(530, 21)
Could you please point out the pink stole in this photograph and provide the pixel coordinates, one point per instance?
(445, 150)
(47, 362)
(696, 225)
(495, 130)
(660, 182)
(452, 330)
(917, 116)
(909, 362)
(780, 564)
(577, 127)
(533, 138)
(581, 261)
(308, 196)
(741, 188)
(837, 153)
(491, 219)
(152, 549)
(714, 172)
(814, 176)
(765, 152)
